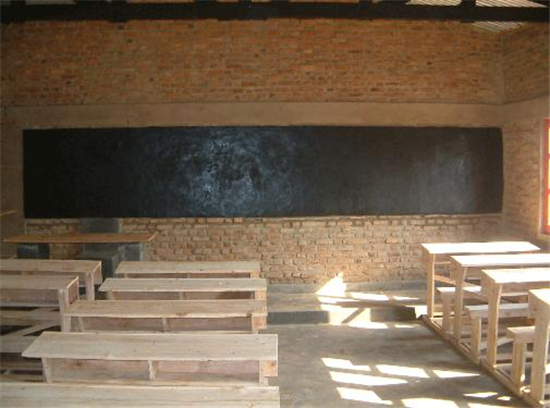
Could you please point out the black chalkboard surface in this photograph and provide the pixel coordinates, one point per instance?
(261, 171)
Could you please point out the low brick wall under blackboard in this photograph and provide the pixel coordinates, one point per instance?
(300, 250)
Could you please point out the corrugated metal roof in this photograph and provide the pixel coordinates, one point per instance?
(494, 26)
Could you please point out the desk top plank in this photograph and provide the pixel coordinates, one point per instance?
(541, 296)
(154, 347)
(36, 282)
(501, 260)
(183, 285)
(447, 248)
(32, 395)
(160, 267)
(52, 266)
(83, 238)
(167, 308)
(522, 275)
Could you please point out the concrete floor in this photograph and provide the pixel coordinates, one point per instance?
(375, 364)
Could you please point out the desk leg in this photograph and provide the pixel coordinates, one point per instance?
(90, 289)
(495, 292)
(540, 354)
(33, 251)
(429, 260)
(459, 275)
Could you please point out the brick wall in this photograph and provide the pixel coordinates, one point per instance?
(526, 62)
(60, 63)
(100, 63)
(525, 69)
(313, 249)
(522, 177)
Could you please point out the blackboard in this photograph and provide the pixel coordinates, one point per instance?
(262, 171)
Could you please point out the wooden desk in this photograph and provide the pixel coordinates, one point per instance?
(539, 309)
(169, 359)
(167, 316)
(38, 246)
(439, 253)
(174, 289)
(33, 395)
(88, 272)
(38, 291)
(494, 283)
(188, 269)
(465, 267)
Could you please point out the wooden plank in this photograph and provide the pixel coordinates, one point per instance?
(27, 317)
(183, 285)
(479, 247)
(495, 261)
(173, 289)
(83, 238)
(186, 269)
(32, 395)
(520, 276)
(36, 282)
(243, 316)
(154, 347)
(53, 266)
(168, 308)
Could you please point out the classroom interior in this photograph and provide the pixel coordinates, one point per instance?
(275, 203)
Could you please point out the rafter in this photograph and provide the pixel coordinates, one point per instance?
(467, 10)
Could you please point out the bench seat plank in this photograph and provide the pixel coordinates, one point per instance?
(183, 285)
(36, 282)
(245, 316)
(32, 395)
(168, 308)
(188, 268)
(154, 347)
(171, 289)
(53, 266)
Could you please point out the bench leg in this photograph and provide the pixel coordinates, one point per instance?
(518, 363)
(475, 344)
(447, 321)
(430, 279)
(33, 251)
(48, 369)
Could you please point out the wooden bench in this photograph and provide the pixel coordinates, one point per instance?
(33, 395)
(88, 272)
(30, 292)
(539, 309)
(464, 267)
(38, 291)
(166, 315)
(156, 359)
(480, 313)
(38, 245)
(434, 254)
(188, 269)
(520, 336)
(174, 289)
(494, 284)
